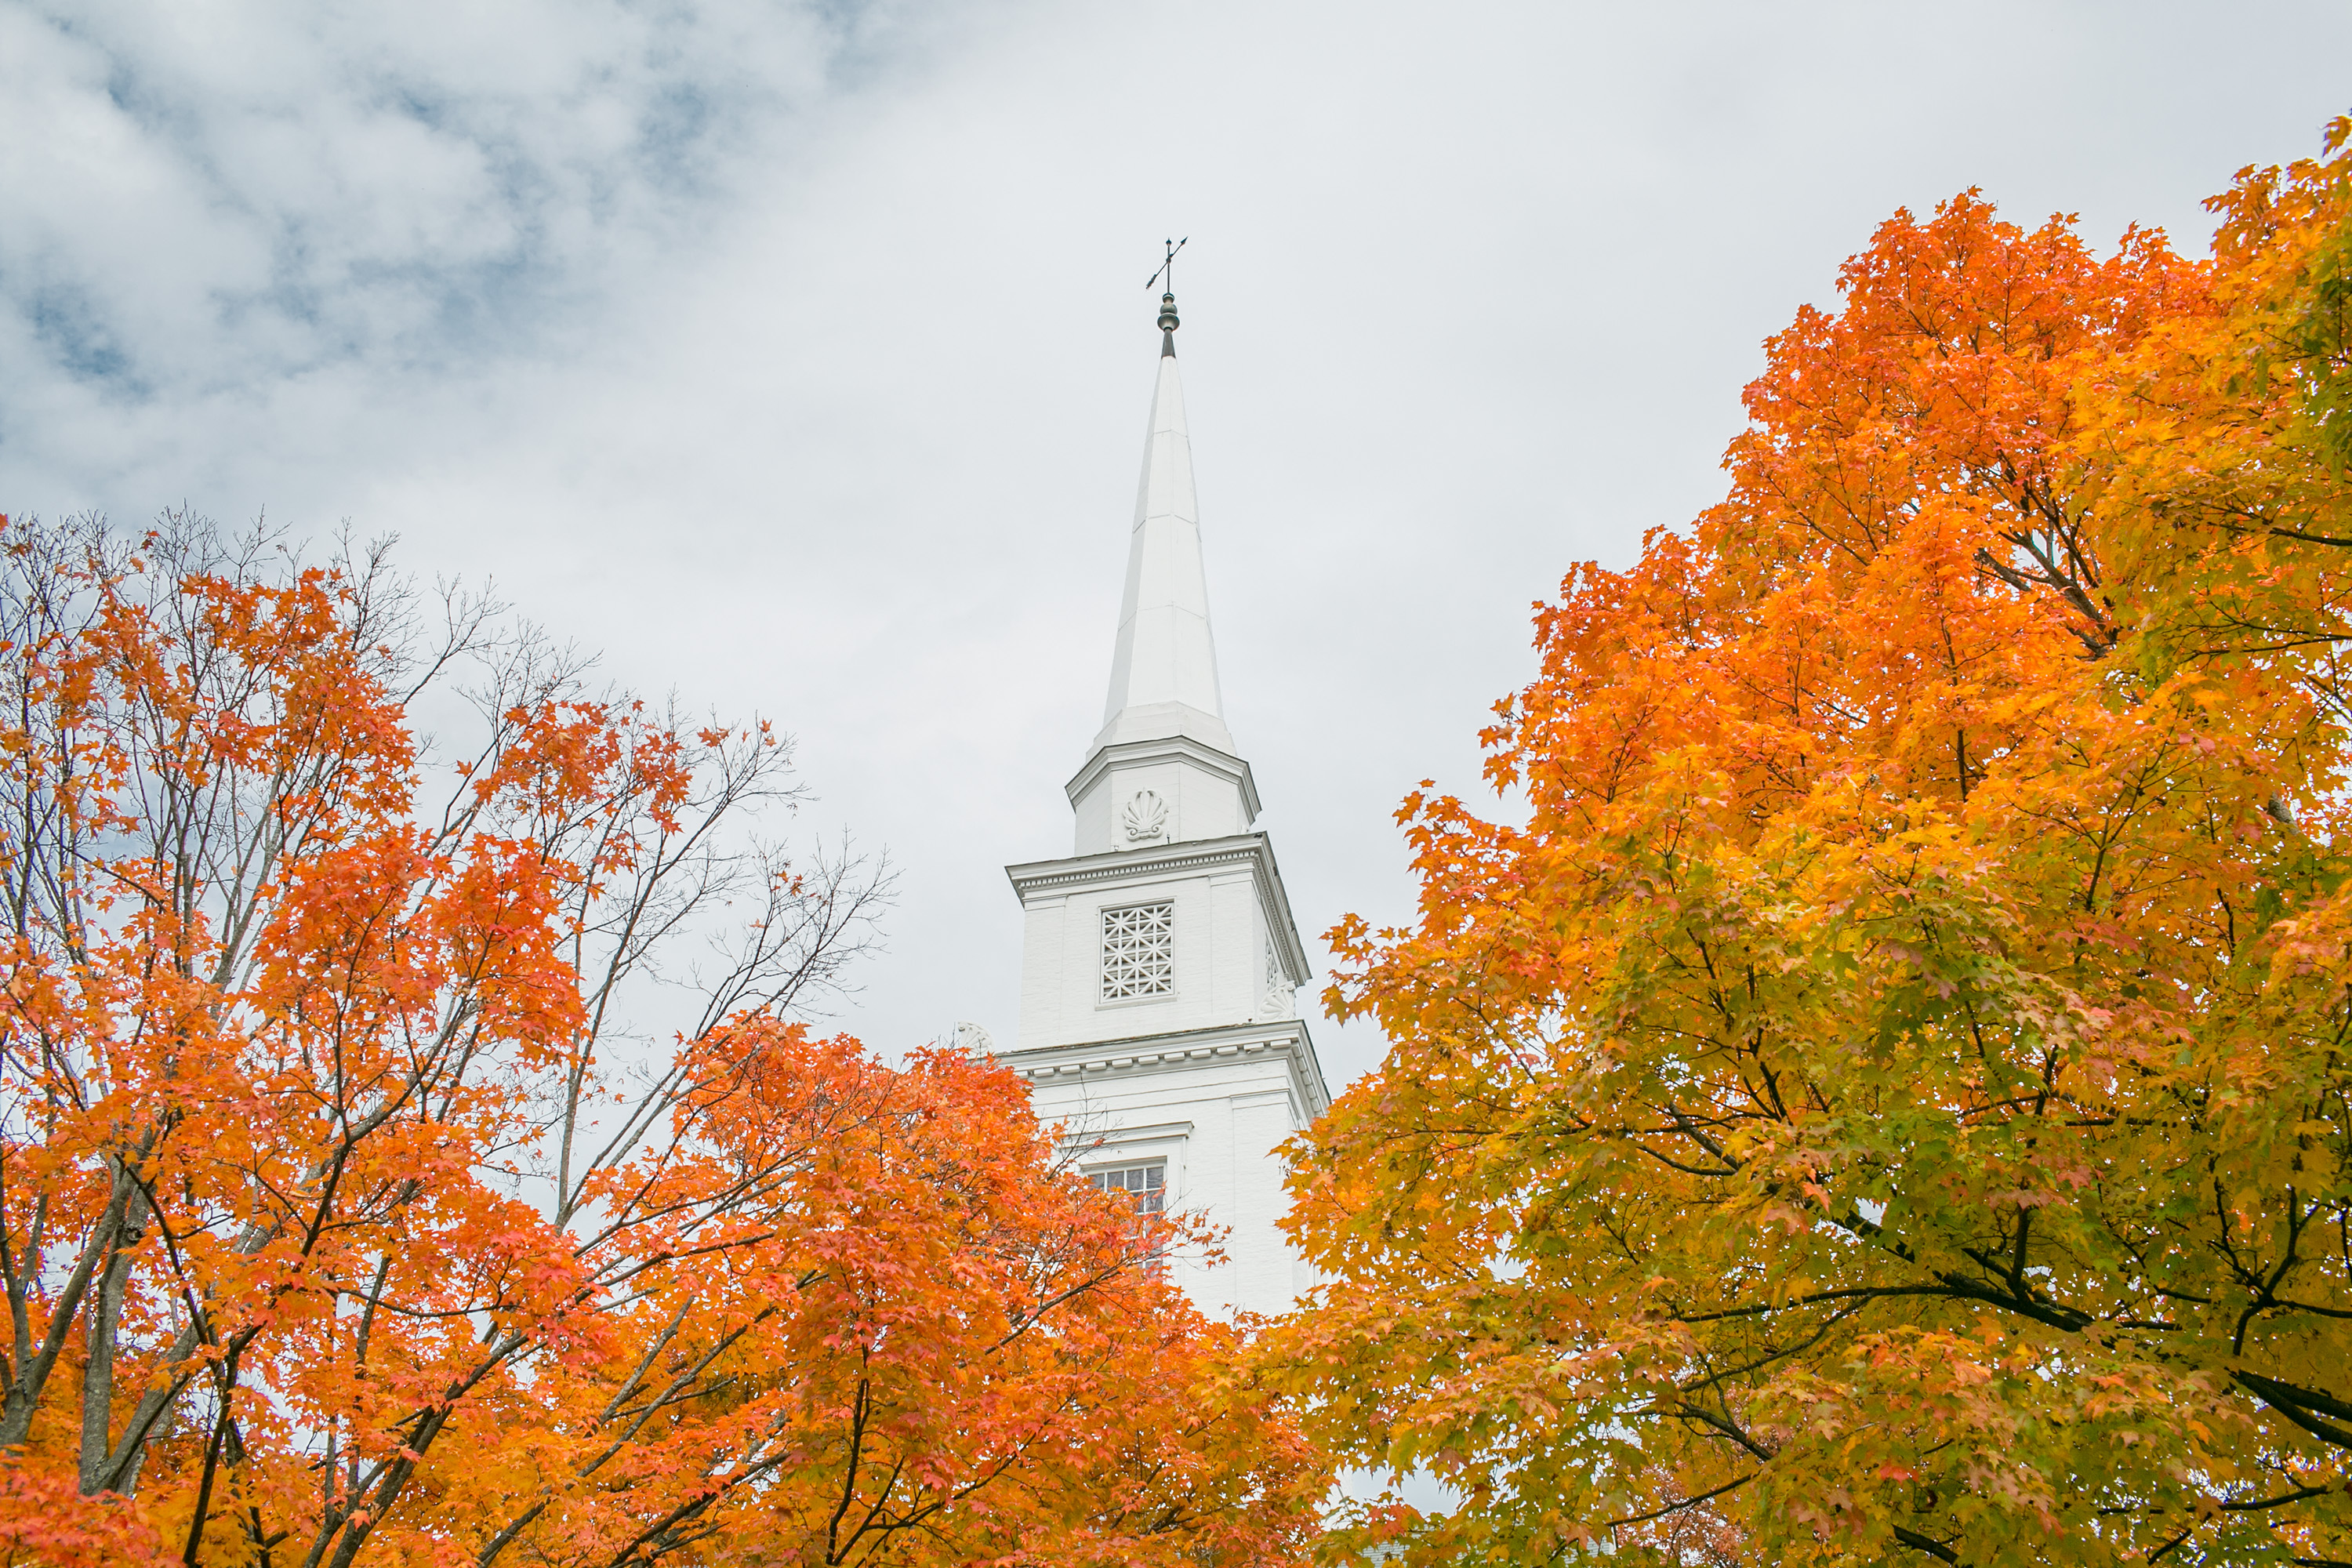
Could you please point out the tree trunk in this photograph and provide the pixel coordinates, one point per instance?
(105, 1317)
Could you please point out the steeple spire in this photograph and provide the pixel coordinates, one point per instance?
(1163, 672)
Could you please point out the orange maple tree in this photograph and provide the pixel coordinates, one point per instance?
(1889, 1097)
(351, 1211)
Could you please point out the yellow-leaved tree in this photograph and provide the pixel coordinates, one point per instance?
(1888, 1100)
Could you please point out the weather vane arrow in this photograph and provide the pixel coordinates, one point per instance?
(1168, 267)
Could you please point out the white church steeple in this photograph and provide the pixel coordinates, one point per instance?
(1159, 962)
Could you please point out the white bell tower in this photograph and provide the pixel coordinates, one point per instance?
(1160, 964)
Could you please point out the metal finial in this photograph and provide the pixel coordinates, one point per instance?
(1168, 321)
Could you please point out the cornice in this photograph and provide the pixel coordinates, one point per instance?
(1280, 1039)
(1119, 865)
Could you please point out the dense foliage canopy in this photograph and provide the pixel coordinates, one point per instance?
(1888, 1098)
(352, 1210)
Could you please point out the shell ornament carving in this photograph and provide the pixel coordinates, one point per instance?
(1144, 817)
(1281, 996)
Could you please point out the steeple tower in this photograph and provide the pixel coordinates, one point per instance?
(1159, 962)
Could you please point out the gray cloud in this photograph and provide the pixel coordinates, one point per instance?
(205, 199)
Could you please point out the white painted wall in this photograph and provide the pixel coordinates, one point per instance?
(1211, 1079)
(1214, 1106)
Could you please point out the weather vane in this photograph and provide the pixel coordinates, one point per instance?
(1168, 268)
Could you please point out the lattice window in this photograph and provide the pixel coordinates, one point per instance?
(1148, 1183)
(1139, 952)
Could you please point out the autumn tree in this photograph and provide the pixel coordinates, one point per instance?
(416, 1158)
(1888, 1100)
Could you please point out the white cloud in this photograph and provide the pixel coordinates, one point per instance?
(210, 196)
(799, 356)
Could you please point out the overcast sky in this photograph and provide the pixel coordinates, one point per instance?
(798, 356)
